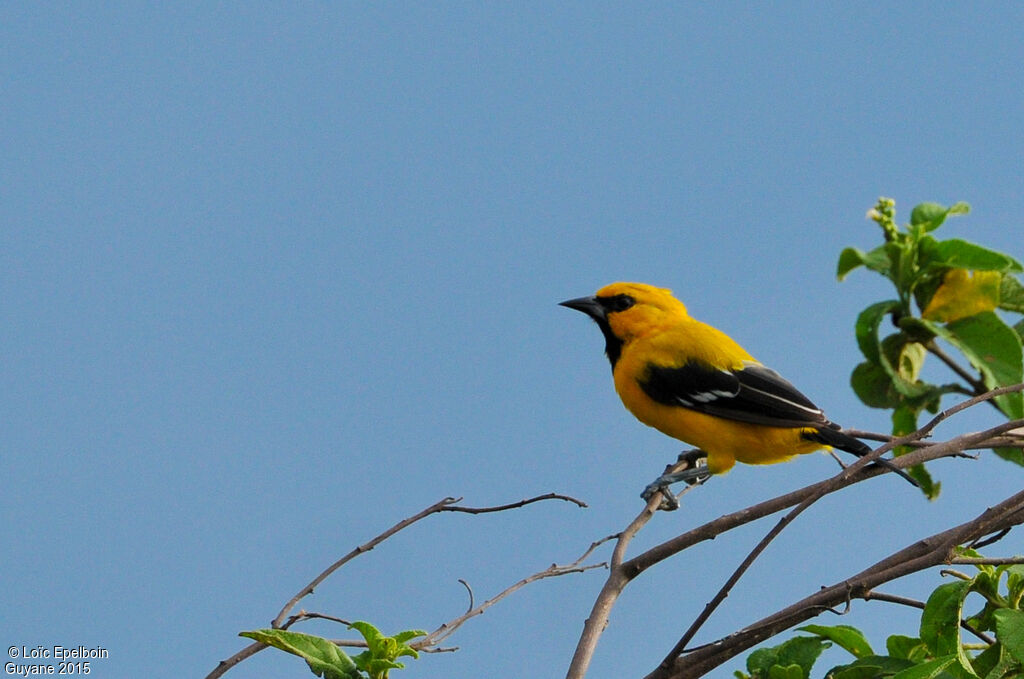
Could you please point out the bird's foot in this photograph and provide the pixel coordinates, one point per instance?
(695, 473)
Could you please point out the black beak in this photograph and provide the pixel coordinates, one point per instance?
(588, 305)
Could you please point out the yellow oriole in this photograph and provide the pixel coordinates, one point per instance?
(694, 383)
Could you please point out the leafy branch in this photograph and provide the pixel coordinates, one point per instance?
(325, 657)
(622, 572)
(947, 293)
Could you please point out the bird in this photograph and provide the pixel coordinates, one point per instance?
(696, 384)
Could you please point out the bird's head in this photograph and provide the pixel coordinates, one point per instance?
(627, 310)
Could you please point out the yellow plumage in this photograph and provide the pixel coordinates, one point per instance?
(694, 383)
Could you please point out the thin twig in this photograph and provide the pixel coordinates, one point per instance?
(977, 384)
(618, 578)
(712, 529)
(554, 570)
(361, 549)
(987, 540)
(914, 603)
(1010, 440)
(932, 551)
(445, 505)
(306, 615)
(282, 621)
(514, 505)
(840, 480)
(470, 591)
(723, 592)
(987, 561)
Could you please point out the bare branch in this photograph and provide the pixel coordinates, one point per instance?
(554, 570)
(284, 620)
(987, 561)
(959, 407)
(361, 549)
(305, 615)
(1010, 440)
(618, 577)
(989, 539)
(914, 603)
(470, 590)
(622, 573)
(976, 384)
(445, 505)
(515, 505)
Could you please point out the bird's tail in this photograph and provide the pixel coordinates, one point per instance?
(833, 437)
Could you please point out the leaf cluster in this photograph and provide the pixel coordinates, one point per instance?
(946, 290)
(327, 660)
(938, 652)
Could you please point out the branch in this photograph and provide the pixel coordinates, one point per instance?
(554, 570)
(1010, 440)
(514, 505)
(820, 490)
(283, 621)
(929, 552)
(987, 561)
(361, 549)
(914, 603)
(623, 572)
(976, 384)
(618, 577)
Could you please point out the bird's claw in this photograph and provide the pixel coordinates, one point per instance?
(694, 475)
(669, 502)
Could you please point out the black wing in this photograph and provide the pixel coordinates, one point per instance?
(754, 394)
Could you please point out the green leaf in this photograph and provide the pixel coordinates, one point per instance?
(992, 663)
(801, 651)
(847, 637)
(1011, 294)
(760, 661)
(866, 328)
(324, 658)
(910, 648)
(383, 651)
(927, 670)
(377, 668)
(371, 634)
(875, 260)
(1010, 631)
(856, 672)
(928, 215)
(1014, 584)
(1015, 455)
(787, 672)
(995, 349)
(902, 358)
(849, 259)
(940, 622)
(871, 667)
(956, 253)
(408, 634)
(873, 386)
(904, 421)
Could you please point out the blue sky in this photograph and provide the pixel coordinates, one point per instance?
(276, 277)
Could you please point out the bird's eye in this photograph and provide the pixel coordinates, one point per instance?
(617, 303)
